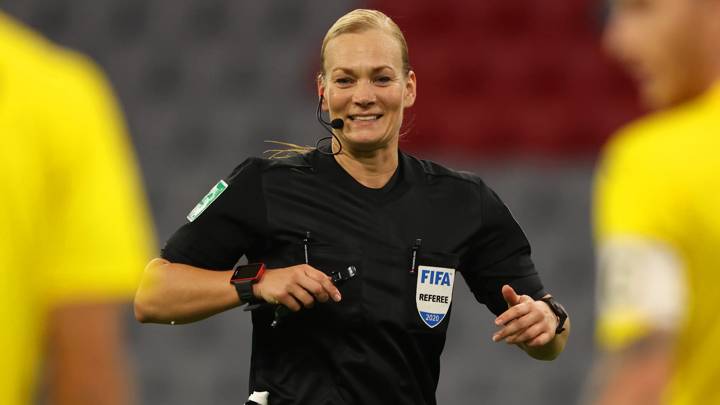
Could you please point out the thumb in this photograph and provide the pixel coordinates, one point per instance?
(510, 296)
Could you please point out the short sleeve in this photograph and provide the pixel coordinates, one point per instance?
(635, 192)
(225, 226)
(499, 254)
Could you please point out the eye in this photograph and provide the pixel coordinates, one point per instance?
(344, 81)
(383, 80)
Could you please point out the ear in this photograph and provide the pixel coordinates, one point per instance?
(320, 82)
(410, 90)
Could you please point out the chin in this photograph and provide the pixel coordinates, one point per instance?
(364, 138)
(665, 99)
(365, 143)
(660, 94)
(655, 96)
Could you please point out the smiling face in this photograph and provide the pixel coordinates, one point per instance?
(364, 84)
(666, 45)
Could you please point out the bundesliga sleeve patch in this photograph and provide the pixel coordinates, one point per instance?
(433, 294)
(207, 200)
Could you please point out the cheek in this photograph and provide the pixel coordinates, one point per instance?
(675, 48)
(677, 32)
(394, 100)
(338, 101)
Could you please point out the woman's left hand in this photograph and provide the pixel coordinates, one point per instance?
(526, 321)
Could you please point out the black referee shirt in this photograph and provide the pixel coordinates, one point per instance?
(373, 347)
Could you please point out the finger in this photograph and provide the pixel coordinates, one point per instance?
(509, 295)
(513, 313)
(516, 327)
(326, 283)
(503, 333)
(289, 301)
(541, 340)
(315, 288)
(526, 334)
(302, 296)
(522, 322)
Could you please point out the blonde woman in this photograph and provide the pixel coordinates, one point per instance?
(354, 247)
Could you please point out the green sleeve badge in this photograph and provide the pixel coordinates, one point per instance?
(207, 200)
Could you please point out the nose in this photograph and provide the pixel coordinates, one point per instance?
(364, 95)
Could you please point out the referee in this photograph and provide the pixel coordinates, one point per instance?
(354, 248)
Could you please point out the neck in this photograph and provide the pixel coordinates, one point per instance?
(713, 49)
(371, 168)
(715, 77)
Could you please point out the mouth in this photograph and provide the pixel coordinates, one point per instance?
(365, 117)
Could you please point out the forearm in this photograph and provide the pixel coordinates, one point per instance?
(86, 362)
(550, 350)
(636, 375)
(179, 293)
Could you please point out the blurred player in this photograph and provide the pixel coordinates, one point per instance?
(657, 211)
(73, 226)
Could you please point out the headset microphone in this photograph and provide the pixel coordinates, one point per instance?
(337, 123)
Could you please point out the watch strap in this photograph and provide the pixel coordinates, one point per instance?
(245, 291)
(559, 312)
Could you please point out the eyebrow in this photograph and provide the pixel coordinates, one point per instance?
(374, 70)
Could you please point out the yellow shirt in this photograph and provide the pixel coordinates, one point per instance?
(659, 179)
(73, 222)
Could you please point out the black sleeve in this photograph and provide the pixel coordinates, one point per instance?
(499, 254)
(227, 228)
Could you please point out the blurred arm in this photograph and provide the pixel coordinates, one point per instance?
(86, 356)
(641, 301)
(636, 375)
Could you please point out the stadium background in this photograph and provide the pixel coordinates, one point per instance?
(517, 91)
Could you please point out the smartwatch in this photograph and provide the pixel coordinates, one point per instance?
(559, 312)
(244, 277)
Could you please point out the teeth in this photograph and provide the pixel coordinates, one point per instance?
(366, 117)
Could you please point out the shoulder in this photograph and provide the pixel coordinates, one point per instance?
(436, 173)
(295, 160)
(662, 137)
(41, 69)
(259, 166)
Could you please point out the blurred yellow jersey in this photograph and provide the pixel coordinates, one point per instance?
(73, 222)
(659, 180)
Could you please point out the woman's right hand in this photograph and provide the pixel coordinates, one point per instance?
(296, 287)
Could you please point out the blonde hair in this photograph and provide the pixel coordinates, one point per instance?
(285, 150)
(361, 20)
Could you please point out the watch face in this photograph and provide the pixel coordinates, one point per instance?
(247, 272)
